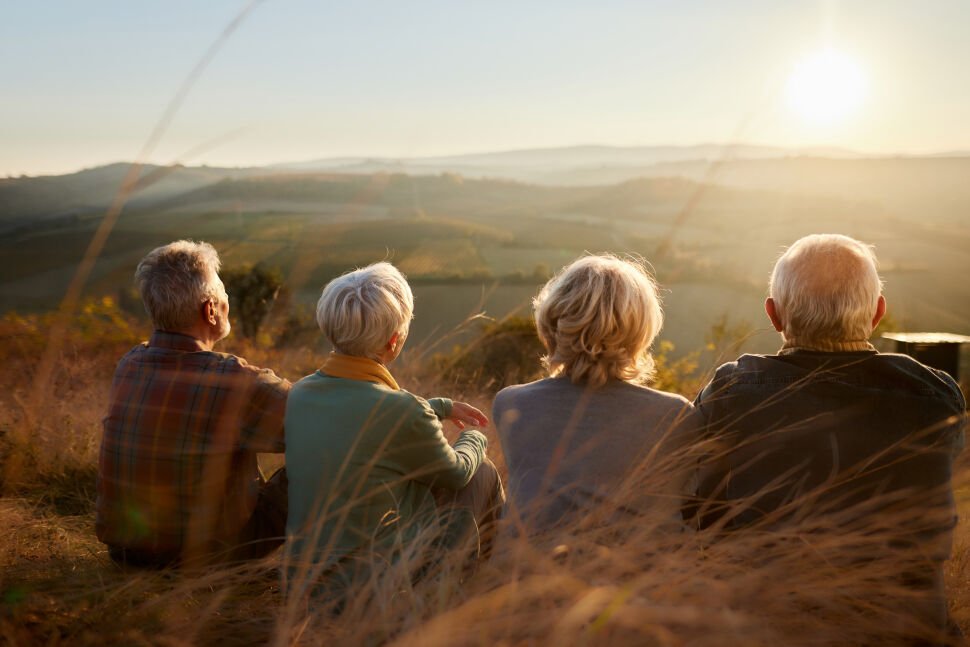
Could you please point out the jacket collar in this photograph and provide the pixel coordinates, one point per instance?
(859, 346)
(175, 341)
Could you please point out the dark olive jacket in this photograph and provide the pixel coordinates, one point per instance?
(806, 432)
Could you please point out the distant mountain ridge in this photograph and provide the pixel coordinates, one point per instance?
(934, 186)
(576, 156)
(712, 226)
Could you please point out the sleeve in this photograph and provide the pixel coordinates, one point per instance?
(700, 508)
(958, 435)
(956, 427)
(703, 405)
(441, 407)
(426, 456)
(958, 430)
(262, 425)
(687, 443)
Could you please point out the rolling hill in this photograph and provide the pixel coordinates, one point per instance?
(712, 230)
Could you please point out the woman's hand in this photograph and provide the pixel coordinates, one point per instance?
(463, 414)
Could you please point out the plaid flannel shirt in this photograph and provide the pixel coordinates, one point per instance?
(177, 471)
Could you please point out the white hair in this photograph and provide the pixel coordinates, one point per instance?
(597, 318)
(826, 288)
(174, 280)
(360, 311)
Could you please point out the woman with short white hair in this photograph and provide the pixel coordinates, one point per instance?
(573, 439)
(367, 460)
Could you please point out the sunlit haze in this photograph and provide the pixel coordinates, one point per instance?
(85, 83)
(826, 86)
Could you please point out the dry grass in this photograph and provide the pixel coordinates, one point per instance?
(58, 587)
(596, 581)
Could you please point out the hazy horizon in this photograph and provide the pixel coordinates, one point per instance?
(814, 150)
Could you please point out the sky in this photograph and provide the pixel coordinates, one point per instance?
(86, 83)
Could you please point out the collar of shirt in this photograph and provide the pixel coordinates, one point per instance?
(175, 341)
(861, 346)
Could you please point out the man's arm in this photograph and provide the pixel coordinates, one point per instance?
(959, 433)
(701, 509)
(262, 424)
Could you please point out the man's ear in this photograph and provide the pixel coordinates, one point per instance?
(880, 311)
(772, 313)
(210, 312)
(392, 342)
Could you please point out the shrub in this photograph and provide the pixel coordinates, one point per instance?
(505, 352)
(252, 291)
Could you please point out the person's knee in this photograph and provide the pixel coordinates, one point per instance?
(489, 492)
(487, 472)
(482, 494)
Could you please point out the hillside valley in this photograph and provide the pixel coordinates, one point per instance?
(710, 229)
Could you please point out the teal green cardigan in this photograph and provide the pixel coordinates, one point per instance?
(361, 459)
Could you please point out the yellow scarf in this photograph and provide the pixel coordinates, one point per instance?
(358, 368)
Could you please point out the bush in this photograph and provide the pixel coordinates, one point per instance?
(299, 328)
(676, 375)
(95, 324)
(252, 291)
(505, 352)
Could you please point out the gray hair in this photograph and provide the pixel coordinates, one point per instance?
(174, 280)
(360, 311)
(826, 289)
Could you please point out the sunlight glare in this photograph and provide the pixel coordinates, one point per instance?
(826, 87)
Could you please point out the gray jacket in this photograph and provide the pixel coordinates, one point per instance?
(616, 449)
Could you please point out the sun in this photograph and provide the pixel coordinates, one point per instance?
(826, 87)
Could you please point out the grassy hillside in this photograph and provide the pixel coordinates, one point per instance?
(590, 583)
(29, 201)
(932, 187)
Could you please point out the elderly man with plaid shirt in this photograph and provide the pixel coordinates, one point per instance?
(178, 480)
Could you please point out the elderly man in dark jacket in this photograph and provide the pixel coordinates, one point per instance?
(830, 430)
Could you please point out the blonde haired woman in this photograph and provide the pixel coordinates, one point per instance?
(574, 440)
(368, 465)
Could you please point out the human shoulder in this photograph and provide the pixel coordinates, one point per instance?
(306, 384)
(749, 363)
(650, 394)
(317, 383)
(136, 351)
(130, 363)
(650, 403)
(730, 373)
(233, 361)
(931, 381)
(264, 378)
(530, 390)
(411, 404)
(746, 366)
(729, 369)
